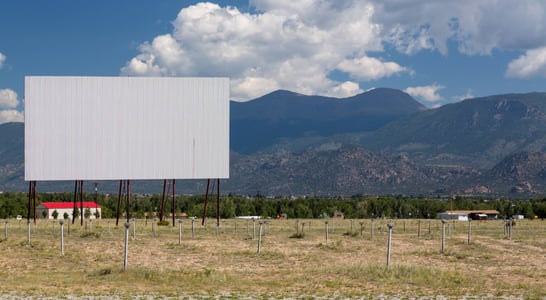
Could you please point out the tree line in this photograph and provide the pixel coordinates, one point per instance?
(356, 207)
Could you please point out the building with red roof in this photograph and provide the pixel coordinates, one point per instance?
(46, 210)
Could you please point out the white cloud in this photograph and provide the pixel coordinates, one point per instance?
(469, 94)
(2, 60)
(253, 87)
(345, 89)
(477, 27)
(292, 45)
(11, 115)
(369, 68)
(427, 93)
(8, 98)
(297, 45)
(532, 63)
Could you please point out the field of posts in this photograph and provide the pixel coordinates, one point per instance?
(292, 258)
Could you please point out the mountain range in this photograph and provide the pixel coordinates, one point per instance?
(379, 142)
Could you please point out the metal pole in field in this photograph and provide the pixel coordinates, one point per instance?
(469, 230)
(297, 226)
(62, 236)
(179, 231)
(6, 232)
(192, 228)
(28, 227)
(352, 222)
(260, 238)
(443, 235)
(127, 225)
(154, 224)
(390, 225)
(510, 229)
(361, 228)
(326, 223)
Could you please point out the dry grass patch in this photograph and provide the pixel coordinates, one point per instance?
(227, 265)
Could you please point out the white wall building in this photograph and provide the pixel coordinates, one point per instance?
(67, 207)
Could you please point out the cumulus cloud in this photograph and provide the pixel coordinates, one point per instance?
(477, 27)
(298, 45)
(8, 101)
(532, 63)
(8, 98)
(427, 93)
(11, 115)
(292, 45)
(2, 60)
(345, 89)
(369, 68)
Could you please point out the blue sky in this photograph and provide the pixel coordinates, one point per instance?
(438, 51)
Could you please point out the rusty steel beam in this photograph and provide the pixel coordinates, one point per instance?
(29, 200)
(128, 205)
(81, 203)
(218, 203)
(119, 202)
(174, 200)
(74, 200)
(162, 206)
(34, 198)
(206, 201)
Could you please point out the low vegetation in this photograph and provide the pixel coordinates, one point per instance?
(356, 207)
(223, 262)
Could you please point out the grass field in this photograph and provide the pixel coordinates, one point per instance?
(223, 262)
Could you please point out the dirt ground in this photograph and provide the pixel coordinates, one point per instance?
(224, 262)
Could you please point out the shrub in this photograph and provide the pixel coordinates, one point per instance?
(90, 235)
(163, 223)
(298, 235)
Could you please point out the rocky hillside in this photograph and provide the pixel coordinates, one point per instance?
(524, 172)
(11, 156)
(347, 170)
(476, 132)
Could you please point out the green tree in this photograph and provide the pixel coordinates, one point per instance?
(227, 208)
(87, 213)
(55, 214)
